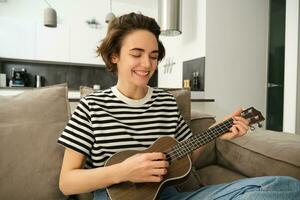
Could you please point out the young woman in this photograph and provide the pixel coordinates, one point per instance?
(132, 115)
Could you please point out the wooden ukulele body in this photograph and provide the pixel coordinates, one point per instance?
(177, 172)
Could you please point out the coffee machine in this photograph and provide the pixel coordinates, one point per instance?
(19, 78)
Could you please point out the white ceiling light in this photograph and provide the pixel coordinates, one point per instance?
(169, 17)
(110, 16)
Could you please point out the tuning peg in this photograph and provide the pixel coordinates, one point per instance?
(252, 128)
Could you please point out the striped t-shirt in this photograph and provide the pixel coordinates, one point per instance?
(107, 122)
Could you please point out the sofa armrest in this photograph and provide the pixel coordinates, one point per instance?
(261, 153)
(200, 121)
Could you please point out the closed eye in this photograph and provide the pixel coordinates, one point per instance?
(137, 52)
(154, 57)
(136, 55)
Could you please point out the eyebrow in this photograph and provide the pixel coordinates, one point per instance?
(140, 49)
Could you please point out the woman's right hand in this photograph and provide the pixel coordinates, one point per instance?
(145, 167)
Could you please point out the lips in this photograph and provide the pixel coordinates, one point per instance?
(141, 72)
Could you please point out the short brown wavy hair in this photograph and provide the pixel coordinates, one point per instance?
(117, 30)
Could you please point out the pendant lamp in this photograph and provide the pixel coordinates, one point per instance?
(169, 17)
(110, 16)
(50, 16)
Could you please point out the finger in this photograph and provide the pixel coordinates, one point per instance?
(245, 121)
(160, 164)
(240, 130)
(233, 134)
(234, 130)
(159, 172)
(155, 156)
(240, 127)
(154, 179)
(228, 136)
(241, 124)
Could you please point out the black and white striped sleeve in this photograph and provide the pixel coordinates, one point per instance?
(183, 131)
(78, 133)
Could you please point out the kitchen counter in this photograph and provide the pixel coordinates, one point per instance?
(74, 95)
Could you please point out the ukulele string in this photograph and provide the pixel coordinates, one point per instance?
(196, 141)
(205, 138)
(183, 148)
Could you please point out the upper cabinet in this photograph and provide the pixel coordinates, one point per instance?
(17, 39)
(52, 44)
(83, 44)
(65, 43)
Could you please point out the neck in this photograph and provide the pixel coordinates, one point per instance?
(132, 92)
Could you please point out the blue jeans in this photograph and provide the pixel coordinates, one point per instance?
(268, 187)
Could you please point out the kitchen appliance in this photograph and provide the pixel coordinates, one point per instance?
(38, 81)
(2, 80)
(19, 78)
(96, 87)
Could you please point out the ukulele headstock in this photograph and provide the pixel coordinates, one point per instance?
(253, 116)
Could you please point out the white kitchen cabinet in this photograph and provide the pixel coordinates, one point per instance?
(76, 43)
(52, 44)
(83, 44)
(17, 38)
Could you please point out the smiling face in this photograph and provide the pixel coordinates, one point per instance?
(137, 60)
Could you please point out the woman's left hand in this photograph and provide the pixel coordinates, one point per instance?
(240, 126)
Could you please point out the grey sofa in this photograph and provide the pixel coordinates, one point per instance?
(31, 122)
(259, 153)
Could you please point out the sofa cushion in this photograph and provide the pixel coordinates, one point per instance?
(183, 99)
(30, 124)
(84, 90)
(216, 174)
(261, 153)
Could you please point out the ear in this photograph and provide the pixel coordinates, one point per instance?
(114, 58)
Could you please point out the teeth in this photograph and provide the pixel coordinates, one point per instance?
(142, 73)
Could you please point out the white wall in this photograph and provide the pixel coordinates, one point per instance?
(236, 55)
(291, 65)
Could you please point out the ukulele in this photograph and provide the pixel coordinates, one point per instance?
(177, 154)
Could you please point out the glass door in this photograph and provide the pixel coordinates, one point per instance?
(275, 91)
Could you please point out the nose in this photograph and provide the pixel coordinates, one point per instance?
(146, 62)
